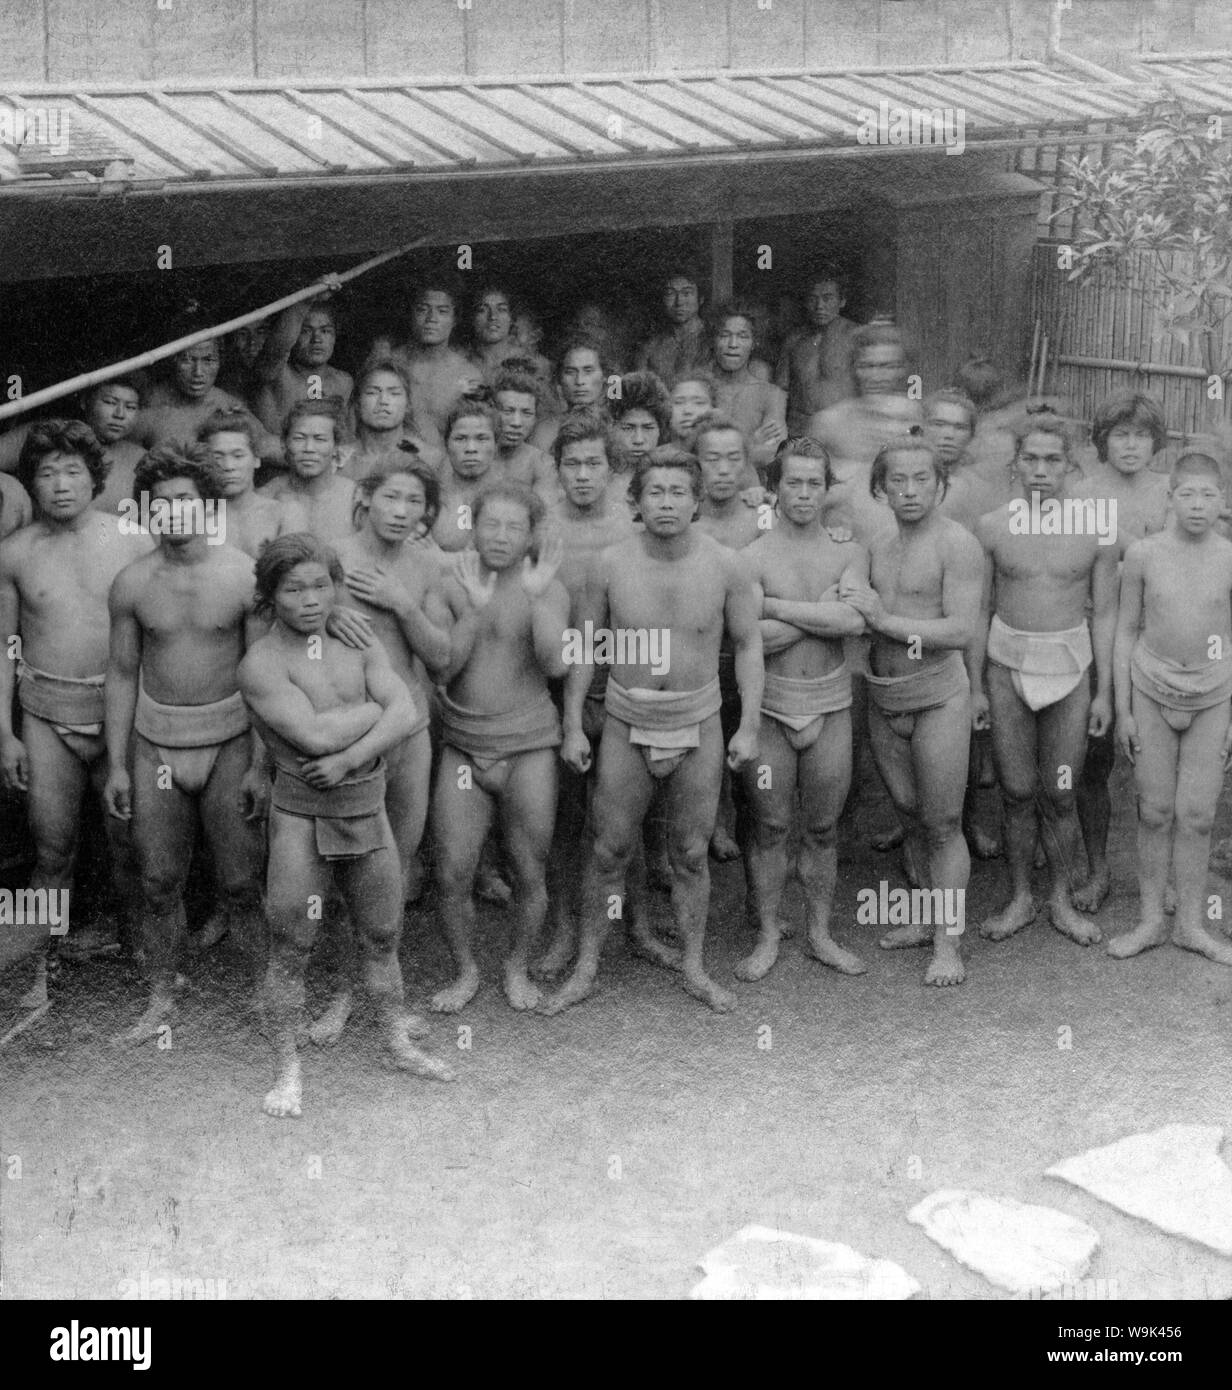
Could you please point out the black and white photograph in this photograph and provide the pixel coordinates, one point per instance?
(616, 657)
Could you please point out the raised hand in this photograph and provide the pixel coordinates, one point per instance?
(469, 574)
(537, 576)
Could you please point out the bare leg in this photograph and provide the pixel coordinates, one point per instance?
(770, 783)
(1155, 776)
(528, 812)
(1094, 815)
(372, 887)
(693, 793)
(1062, 735)
(462, 816)
(236, 848)
(1014, 741)
(408, 772)
(623, 792)
(892, 756)
(723, 846)
(825, 775)
(979, 841)
(570, 850)
(1199, 782)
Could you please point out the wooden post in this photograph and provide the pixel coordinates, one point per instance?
(722, 252)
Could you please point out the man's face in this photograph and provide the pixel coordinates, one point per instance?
(432, 318)
(183, 503)
(232, 462)
(721, 454)
(249, 341)
(639, 432)
(382, 402)
(1196, 500)
(112, 412)
(881, 370)
(912, 486)
(518, 412)
(668, 502)
(471, 446)
(1042, 463)
(312, 448)
(802, 488)
(581, 377)
(397, 508)
(1130, 448)
(948, 430)
(824, 303)
(62, 486)
(681, 300)
(502, 534)
(196, 370)
(584, 471)
(315, 344)
(493, 318)
(304, 597)
(690, 406)
(733, 343)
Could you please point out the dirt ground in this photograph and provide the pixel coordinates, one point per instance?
(601, 1153)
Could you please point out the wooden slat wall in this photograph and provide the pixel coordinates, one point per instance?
(67, 40)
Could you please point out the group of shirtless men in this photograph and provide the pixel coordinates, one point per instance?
(601, 611)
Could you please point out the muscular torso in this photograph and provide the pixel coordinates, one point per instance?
(333, 680)
(275, 399)
(686, 596)
(192, 620)
(585, 536)
(802, 573)
(1043, 583)
(817, 371)
(436, 384)
(908, 573)
(169, 415)
(254, 521)
(62, 579)
(502, 672)
(734, 527)
(327, 513)
(852, 433)
(415, 568)
(1142, 503)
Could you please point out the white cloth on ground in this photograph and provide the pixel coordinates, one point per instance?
(760, 1263)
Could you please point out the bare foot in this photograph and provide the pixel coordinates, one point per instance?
(758, 961)
(1087, 897)
(887, 840)
(214, 928)
(283, 1102)
(723, 847)
(1169, 900)
(702, 987)
(643, 942)
(327, 1029)
(823, 947)
(36, 996)
(149, 1025)
(1141, 938)
(519, 991)
(403, 1056)
(1072, 924)
(1205, 943)
(491, 888)
(902, 938)
(1018, 913)
(458, 995)
(946, 967)
(555, 962)
(981, 843)
(573, 991)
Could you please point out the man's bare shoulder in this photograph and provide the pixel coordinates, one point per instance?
(958, 542)
(992, 526)
(263, 659)
(132, 580)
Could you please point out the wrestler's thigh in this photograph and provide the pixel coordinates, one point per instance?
(408, 773)
(57, 783)
(461, 815)
(371, 887)
(1200, 773)
(1157, 761)
(940, 748)
(892, 756)
(1014, 738)
(297, 879)
(528, 805)
(693, 789)
(1062, 734)
(770, 779)
(825, 771)
(235, 844)
(623, 789)
(164, 819)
